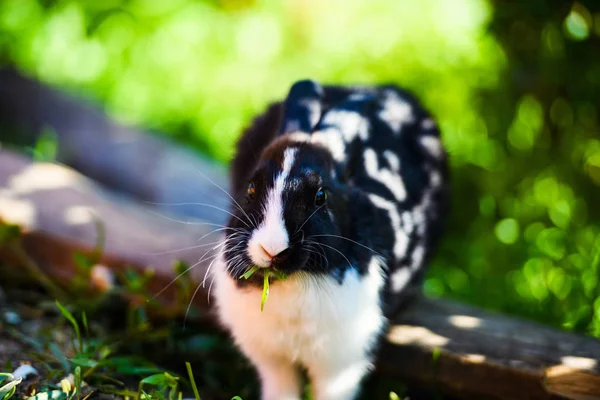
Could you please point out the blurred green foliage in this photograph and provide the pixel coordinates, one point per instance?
(514, 86)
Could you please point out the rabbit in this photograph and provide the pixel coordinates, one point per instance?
(343, 190)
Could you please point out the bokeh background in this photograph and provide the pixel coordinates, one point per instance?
(515, 86)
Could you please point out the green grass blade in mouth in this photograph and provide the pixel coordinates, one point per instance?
(265, 292)
(267, 273)
(250, 272)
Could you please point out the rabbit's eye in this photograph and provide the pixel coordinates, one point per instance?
(251, 190)
(320, 197)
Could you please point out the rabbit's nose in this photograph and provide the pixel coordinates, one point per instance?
(277, 257)
(266, 243)
(265, 251)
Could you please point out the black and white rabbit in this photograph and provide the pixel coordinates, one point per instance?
(344, 190)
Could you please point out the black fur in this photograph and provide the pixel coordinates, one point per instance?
(349, 211)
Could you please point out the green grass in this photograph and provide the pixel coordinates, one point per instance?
(101, 362)
(110, 346)
(267, 274)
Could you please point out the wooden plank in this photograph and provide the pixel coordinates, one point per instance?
(461, 349)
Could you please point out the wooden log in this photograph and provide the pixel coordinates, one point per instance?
(120, 157)
(460, 349)
(59, 209)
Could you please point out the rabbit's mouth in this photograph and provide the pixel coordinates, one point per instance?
(294, 261)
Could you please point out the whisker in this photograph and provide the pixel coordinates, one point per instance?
(180, 221)
(333, 248)
(350, 240)
(313, 250)
(227, 193)
(214, 207)
(206, 274)
(190, 305)
(194, 295)
(183, 273)
(318, 208)
(320, 249)
(236, 231)
(180, 249)
(209, 288)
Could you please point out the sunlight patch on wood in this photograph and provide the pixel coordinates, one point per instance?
(464, 321)
(38, 177)
(474, 358)
(17, 211)
(572, 383)
(579, 362)
(407, 334)
(79, 215)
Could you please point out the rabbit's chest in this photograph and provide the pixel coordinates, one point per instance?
(305, 319)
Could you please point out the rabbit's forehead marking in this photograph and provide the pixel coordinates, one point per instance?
(271, 235)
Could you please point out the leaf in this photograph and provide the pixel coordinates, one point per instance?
(82, 261)
(52, 395)
(58, 354)
(65, 385)
(188, 366)
(5, 375)
(8, 232)
(7, 391)
(435, 355)
(265, 293)
(84, 362)
(78, 381)
(157, 395)
(85, 323)
(251, 272)
(164, 378)
(46, 146)
(172, 380)
(67, 314)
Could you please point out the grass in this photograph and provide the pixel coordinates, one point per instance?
(267, 273)
(88, 345)
(99, 347)
(78, 360)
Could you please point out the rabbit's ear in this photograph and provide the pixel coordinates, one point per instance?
(303, 107)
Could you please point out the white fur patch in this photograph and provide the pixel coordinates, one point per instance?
(332, 140)
(401, 239)
(328, 328)
(298, 137)
(396, 113)
(427, 123)
(400, 279)
(390, 179)
(432, 145)
(271, 236)
(392, 159)
(417, 257)
(349, 123)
